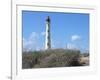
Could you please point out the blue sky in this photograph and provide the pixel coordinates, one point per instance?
(68, 30)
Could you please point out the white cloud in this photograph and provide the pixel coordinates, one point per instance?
(43, 33)
(33, 35)
(75, 37)
(31, 43)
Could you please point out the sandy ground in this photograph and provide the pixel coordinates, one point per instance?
(84, 61)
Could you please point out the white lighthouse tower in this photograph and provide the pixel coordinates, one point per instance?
(47, 37)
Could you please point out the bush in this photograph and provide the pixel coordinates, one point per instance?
(51, 58)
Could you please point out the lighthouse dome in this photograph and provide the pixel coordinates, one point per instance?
(48, 19)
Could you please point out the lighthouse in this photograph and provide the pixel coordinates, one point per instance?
(48, 35)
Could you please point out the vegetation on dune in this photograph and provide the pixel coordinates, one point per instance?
(51, 58)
